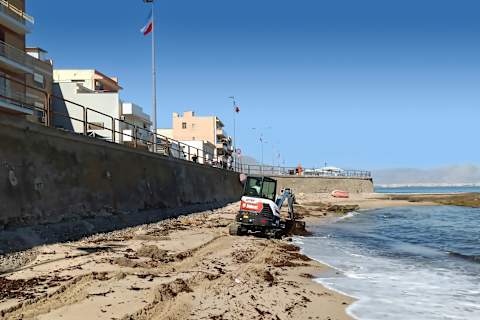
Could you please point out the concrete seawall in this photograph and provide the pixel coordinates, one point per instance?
(49, 177)
(325, 184)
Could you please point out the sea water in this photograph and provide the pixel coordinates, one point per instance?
(403, 263)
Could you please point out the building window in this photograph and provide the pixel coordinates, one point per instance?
(184, 125)
(96, 126)
(3, 85)
(39, 80)
(99, 86)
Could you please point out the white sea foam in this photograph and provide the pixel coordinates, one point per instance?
(390, 289)
(349, 215)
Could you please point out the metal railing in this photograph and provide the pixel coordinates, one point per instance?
(116, 130)
(250, 169)
(16, 55)
(18, 98)
(13, 92)
(14, 12)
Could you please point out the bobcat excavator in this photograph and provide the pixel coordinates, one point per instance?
(260, 209)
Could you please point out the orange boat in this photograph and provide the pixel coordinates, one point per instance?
(339, 194)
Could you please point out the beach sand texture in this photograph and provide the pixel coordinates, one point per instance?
(185, 268)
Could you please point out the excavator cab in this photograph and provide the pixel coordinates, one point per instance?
(260, 208)
(261, 187)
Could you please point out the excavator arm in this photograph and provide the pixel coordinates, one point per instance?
(287, 194)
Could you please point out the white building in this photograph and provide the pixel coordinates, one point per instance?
(90, 103)
(201, 150)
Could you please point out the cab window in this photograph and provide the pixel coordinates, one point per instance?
(268, 190)
(253, 187)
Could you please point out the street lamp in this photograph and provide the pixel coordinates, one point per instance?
(262, 141)
(235, 108)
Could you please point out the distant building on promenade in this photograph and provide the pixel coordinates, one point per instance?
(92, 95)
(21, 67)
(189, 127)
(201, 151)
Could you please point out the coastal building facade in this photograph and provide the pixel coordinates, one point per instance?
(189, 127)
(200, 151)
(39, 84)
(21, 67)
(92, 96)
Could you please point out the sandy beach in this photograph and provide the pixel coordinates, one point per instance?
(185, 268)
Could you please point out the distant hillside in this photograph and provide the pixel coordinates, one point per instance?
(451, 175)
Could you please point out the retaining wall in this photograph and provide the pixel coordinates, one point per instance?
(48, 176)
(325, 184)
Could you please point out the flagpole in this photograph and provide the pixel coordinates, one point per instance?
(234, 129)
(154, 81)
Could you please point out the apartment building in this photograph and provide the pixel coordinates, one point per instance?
(39, 83)
(89, 102)
(21, 67)
(189, 127)
(200, 151)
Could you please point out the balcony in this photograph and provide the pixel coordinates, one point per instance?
(14, 18)
(221, 133)
(13, 102)
(143, 136)
(14, 59)
(131, 110)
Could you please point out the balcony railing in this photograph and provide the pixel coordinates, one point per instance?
(15, 12)
(16, 55)
(13, 99)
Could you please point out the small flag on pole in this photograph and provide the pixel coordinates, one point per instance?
(148, 25)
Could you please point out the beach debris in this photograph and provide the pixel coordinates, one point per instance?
(170, 290)
(243, 256)
(268, 277)
(152, 252)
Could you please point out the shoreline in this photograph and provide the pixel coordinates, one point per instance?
(184, 268)
(365, 203)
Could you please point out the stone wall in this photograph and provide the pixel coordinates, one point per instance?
(49, 176)
(325, 184)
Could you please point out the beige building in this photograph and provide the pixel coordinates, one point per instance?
(189, 127)
(21, 67)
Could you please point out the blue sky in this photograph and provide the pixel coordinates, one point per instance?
(360, 84)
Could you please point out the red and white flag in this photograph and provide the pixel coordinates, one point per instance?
(148, 25)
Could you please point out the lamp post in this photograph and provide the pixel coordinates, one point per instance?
(235, 111)
(262, 141)
(234, 121)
